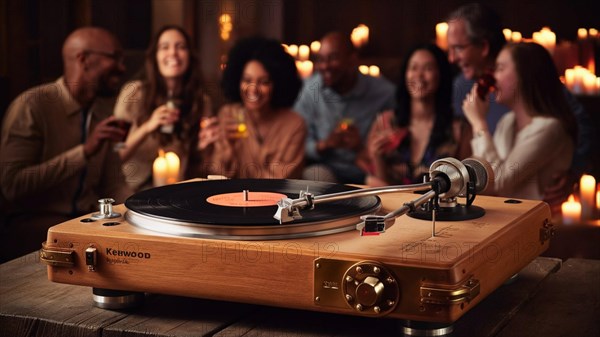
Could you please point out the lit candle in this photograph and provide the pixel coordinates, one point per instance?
(516, 37)
(549, 38)
(582, 33)
(172, 167)
(570, 79)
(374, 71)
(360, 35)
(507, 34)
(364, 69)
(593, 32)
(441, 35)
(578, 79)
(293, 50)
(591, 65)
(165, 169)
(597, 202)
(546, 38)
(587, 187)
(589, 83)
(315, 46)
(303, 52)
(305, 68)
(571, 211)
(159, 170)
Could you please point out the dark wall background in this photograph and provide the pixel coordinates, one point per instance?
(395, 25)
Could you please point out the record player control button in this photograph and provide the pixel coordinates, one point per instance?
(91, 258)
(369, 292)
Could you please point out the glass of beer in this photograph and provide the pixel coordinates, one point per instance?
(236, 126)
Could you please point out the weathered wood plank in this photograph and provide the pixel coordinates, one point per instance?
(178, 316)
(490, 316)
(567, 304)
(30, 305)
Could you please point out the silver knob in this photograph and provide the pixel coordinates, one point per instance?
(105, 209)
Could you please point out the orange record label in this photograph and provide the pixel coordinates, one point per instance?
(255, 199)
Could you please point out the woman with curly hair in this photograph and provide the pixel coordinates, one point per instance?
(164, 107)
(257, 135)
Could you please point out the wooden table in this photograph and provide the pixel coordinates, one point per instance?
(547, 299)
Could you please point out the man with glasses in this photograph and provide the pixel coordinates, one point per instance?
(339, 104)
(56, 157)
(475, 39)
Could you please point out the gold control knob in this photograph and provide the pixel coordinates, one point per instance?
(369, 292)
(370, 288)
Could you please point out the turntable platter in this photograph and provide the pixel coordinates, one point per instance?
(189, 209)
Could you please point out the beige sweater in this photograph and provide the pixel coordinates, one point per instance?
(525, 163)
(278, 153)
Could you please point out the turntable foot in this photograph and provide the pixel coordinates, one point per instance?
(415, 328)
(116, 299)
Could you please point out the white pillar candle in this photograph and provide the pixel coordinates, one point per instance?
(587, 187)
(571, 211)
(441, 35)
(173, 165)
(159, 170)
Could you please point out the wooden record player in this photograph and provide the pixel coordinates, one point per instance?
(406, 272)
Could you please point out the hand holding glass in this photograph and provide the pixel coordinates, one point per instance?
(123, 125)
(235, 124)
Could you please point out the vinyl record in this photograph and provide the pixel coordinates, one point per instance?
(190, 209)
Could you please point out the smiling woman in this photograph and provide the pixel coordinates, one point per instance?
(168, 97)
(257, 135)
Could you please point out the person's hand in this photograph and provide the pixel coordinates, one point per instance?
(560, 190)
(331, 142)
(210, 132)
(350, 138)
(162, 115)
(475, 110)
(378, 144)
(347, 137)
(101, 133)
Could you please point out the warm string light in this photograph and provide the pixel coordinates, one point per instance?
(225, 26)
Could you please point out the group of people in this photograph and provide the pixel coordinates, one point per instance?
(57, 153)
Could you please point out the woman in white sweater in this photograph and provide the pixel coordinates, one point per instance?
(535, 141)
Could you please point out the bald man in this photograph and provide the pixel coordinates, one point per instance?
(56, 156)
(339, 104)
